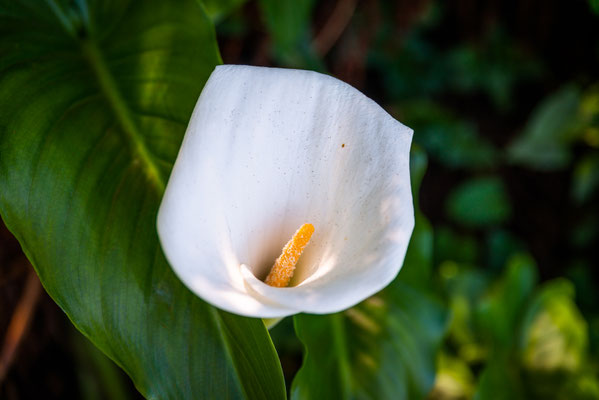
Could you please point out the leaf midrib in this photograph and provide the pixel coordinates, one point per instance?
(110, 90)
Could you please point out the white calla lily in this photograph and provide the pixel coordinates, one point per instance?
(266, 151)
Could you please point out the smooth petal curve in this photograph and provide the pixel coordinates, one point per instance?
(267, 150)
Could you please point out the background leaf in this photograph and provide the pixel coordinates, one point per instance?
(419, 256)
(219, 9)
(545, 142)
(586, 178)
(498, 381)
(383, 348)
(479, 202)
(498, 312)
(554, 334)
(288, 22)
(94, 101)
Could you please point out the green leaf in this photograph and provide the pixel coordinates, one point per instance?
(94, 100)
(585, 181)
(500, 311)
(545, 142)
(500, 246)
(452, 246)
(554, 334)
(418, 165)
(479, 202)
(499, 381)
(385, 347)
(538, 340)
(418, 263)
(553, 346)
(454, 379)
(219, 9)
(288, 23)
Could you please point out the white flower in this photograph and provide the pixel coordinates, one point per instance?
(268, 150)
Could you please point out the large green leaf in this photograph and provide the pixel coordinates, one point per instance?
(385, 347)
(94, 100)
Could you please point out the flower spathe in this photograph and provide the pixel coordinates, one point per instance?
(266, 151)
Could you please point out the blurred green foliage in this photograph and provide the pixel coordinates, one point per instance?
(479, 202)
(493, 67)
(449, 139)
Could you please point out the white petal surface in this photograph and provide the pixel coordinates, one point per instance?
(266, 151)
